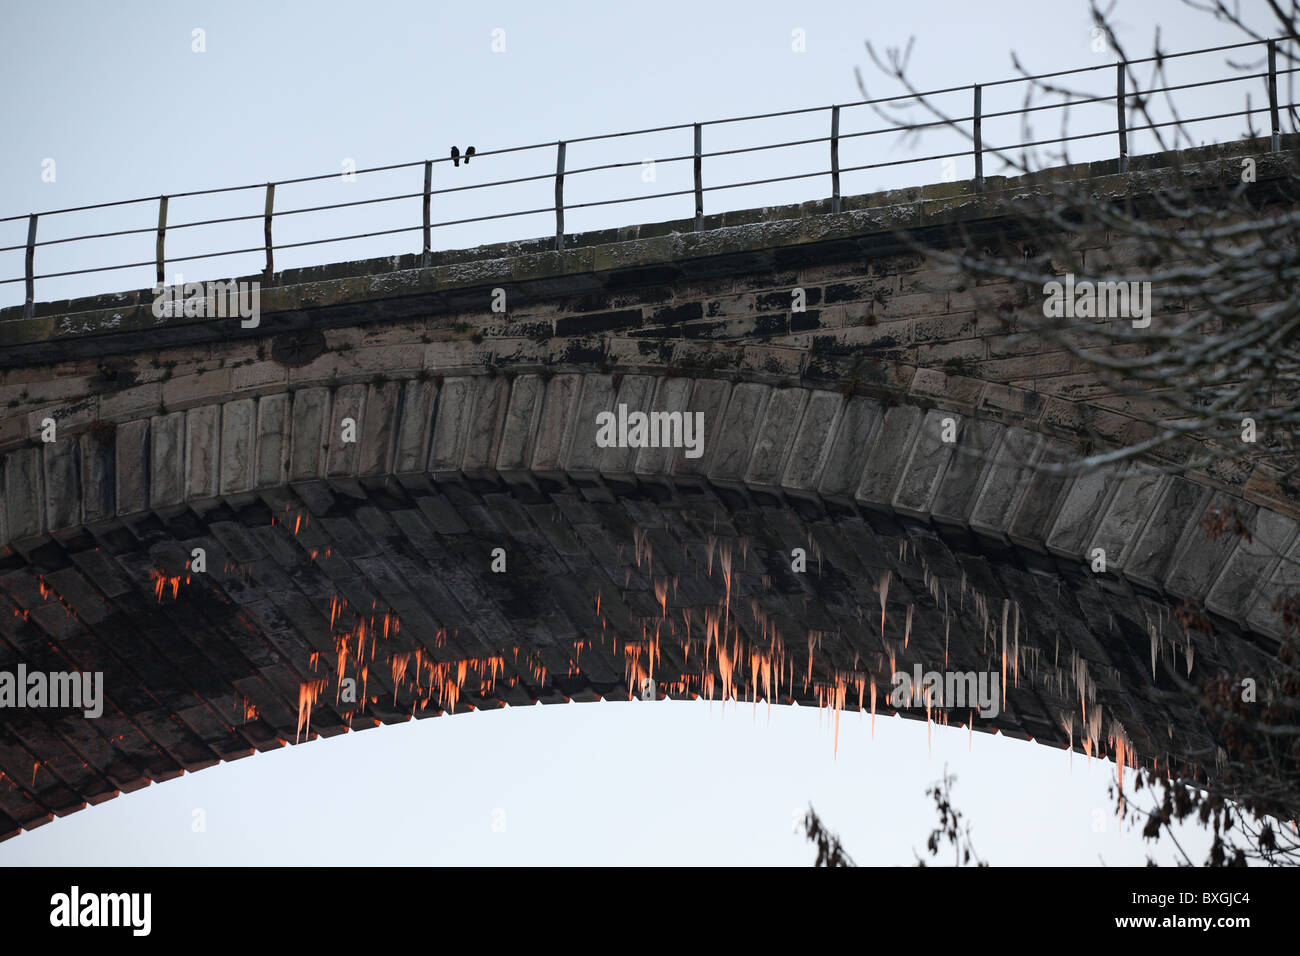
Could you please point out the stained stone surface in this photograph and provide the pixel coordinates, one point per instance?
(474, 547)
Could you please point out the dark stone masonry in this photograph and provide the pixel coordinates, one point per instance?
(473, 546)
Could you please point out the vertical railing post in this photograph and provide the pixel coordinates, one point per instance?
(979, 142)
(835, 159)
(160, 256)
(427, 256)
(1272, 96)
(559, 197)
(270, 255)
(1119, 109)
(699, 181)
(30, 303)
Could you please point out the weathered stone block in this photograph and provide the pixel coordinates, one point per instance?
(418, 400)
(133, 454)
(927, 462)
(23, 492)
(309, 432)
(203, 452)
(273, 443)
(167, 460)
(451, 424)
(520, 428)
(740, 425)
(888, 456)
(238, 445)
(812, 444)
(854, 435)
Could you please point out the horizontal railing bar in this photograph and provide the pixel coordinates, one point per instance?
(681, 126)
(658, 160)
(629, 199)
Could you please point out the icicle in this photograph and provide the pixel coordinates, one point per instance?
(1155, 646)
(1016, 630)
(1006, 606)
(884, 596)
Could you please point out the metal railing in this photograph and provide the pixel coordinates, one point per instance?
(1122, 99)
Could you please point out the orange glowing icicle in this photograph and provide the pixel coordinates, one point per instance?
(307, 693)
(840, 688)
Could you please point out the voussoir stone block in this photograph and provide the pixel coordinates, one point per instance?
(133, 458)
(346, 430)
(1198, 555)
(520, 428)
(558, 421)
(709, 397)
(273, 445)
(167, 460)
(634, 393)
(671, 396)
(597, 395)
(927, 462)
(98, 478)
(378, 428)
(412, 452)
(309, 431)
(740, 426)
(1005, 482)
(1121, 527)
(23, 492)
(776, 436)
(203, 452)
(1179, 506)
(860, 419)
(961, 481)
(1250, 563)
(491, 396)
(451, 425)
(1081, 509)
(812, 444)
(888, 456)
(238, 445)
(62, 490)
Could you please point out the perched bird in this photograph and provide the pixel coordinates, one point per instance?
(455, 156)
(468, 153)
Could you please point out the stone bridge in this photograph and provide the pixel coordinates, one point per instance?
(387, 499)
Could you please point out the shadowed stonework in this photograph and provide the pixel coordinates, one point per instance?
(330, 562)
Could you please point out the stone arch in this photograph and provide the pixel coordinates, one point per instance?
(445, 467)
(819, 446)
(821, 434)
